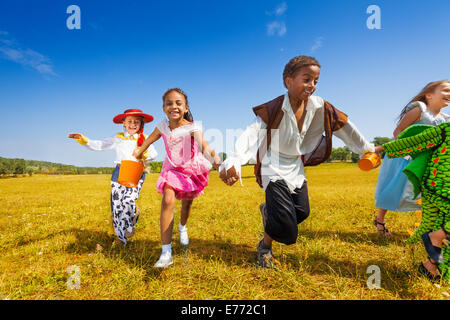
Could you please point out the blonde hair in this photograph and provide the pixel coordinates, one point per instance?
(429, 88)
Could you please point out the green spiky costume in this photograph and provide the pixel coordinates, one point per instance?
(429, 172)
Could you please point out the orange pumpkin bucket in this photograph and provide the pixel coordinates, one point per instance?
(369, 161)
(130, 173)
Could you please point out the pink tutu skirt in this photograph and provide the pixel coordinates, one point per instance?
(187, 181)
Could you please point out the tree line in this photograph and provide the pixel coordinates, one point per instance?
(17, 166)
(344, 154)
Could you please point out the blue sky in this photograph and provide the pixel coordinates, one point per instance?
(227, 55)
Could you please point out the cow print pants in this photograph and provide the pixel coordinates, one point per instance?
(124, 212)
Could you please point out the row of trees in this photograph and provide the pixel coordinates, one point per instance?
(21, 166)
(344, 154)
(16, 166)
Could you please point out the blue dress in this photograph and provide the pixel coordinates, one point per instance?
(394, 191)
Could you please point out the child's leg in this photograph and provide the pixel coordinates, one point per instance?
(284, 210)
(434, 212)
(267, 240)
(117, 192)
(380, 223)
(130, 208)
(185, 211)
(301, 204)
(124, 209)
(300, 199)
(437, 237)
(166, 223)
(281, 215)
(182, 230)
(381, 215)
(166, 220)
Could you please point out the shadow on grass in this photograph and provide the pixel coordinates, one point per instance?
(143, 254)
(223, 251)
(394, 278)
(355, 237)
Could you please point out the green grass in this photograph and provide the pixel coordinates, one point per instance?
(48, 223)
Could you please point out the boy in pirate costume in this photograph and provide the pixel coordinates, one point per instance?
(290, 132)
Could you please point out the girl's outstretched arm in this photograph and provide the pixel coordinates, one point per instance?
(79, 138)
(207, 151)
(410, 117)
(154, 136)
(95, 145)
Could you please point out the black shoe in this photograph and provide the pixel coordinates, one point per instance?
(265, 257)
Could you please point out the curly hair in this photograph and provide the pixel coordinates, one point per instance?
(294, 65)
(188, 115)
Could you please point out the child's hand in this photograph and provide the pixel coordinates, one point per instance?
(75, 135)
(379, 149)
(229, 176)
(79, 138)
(216, 166)
(137, 153)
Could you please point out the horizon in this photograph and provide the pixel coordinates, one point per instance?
(227, 57)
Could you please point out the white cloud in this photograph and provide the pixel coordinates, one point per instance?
(317, 44)
(279, 10)
(276, 27)
(10, 50)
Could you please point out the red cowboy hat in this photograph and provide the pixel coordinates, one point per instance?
(132, 112)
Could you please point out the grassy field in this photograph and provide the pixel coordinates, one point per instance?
(49, 223)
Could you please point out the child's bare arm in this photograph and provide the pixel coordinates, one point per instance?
(410, 117)
(207, 151)
(154, 136)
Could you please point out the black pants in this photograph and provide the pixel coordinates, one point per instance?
(285, 210)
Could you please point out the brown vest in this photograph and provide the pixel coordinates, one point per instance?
(271, 113)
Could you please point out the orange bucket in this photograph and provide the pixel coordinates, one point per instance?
(369, 161)
(130, 173)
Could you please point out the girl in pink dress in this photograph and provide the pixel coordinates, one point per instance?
(185, 170)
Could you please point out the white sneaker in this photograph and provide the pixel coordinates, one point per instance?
(184, 239)
(164, 261)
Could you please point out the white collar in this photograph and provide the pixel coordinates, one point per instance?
(127, 135)
(311, 105)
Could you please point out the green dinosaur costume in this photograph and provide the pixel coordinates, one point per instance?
(429, 172)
